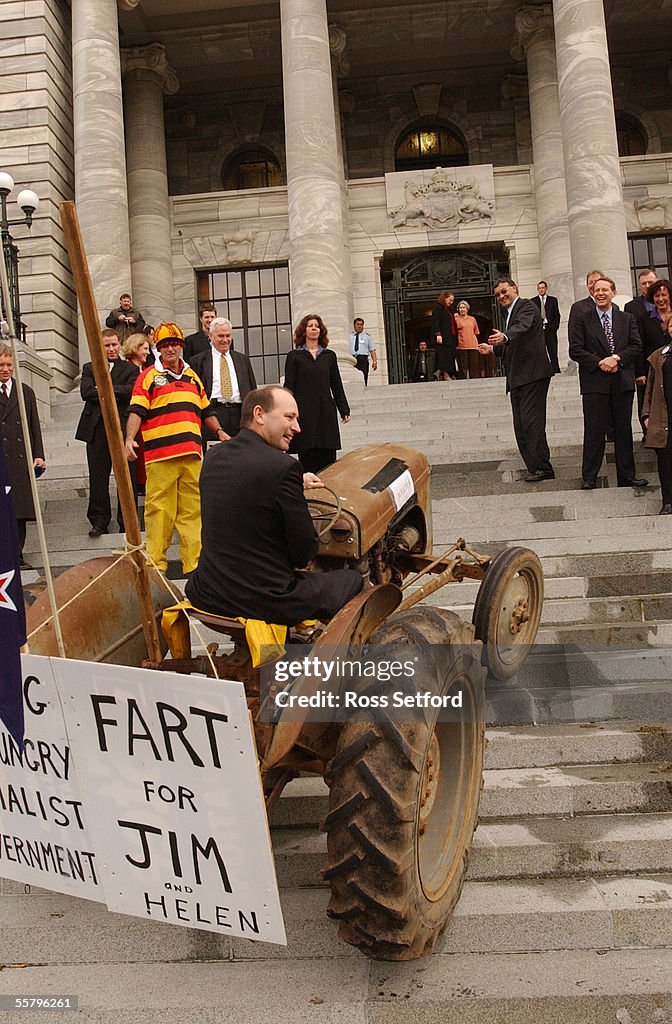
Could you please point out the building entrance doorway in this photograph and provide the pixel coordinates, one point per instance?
(412, 284)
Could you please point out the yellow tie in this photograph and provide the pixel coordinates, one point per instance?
(225, 377)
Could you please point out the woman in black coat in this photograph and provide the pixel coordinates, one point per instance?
(12, 440)
(313, 377)
(444, 337)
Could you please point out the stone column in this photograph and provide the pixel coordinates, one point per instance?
(317, 252)
(100, 165)
(147, 77)
(596, 216)
(534, 41)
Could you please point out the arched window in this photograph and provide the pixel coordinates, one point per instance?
(430, 145)
(632, 140)
(251, 168)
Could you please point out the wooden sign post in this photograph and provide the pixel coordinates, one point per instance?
(108, 405)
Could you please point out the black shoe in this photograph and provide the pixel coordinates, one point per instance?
(97, 531)
(26, 565)
(666, 510)
(540, 474)
(588, 485)
(637, 482)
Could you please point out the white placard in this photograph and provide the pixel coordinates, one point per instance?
(179, 820)
(44, 835)
(402, 489)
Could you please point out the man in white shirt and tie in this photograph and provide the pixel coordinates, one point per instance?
(550, 315)
(363, 347)
(604, 341)
(227, 376)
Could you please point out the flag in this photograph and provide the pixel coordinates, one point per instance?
(12, 613)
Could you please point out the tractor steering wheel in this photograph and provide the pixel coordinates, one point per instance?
(330, 517)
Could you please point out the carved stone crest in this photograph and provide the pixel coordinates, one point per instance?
(442, 198)
(653, 214)
(239, 246)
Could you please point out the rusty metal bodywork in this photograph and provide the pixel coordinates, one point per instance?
(100, 614)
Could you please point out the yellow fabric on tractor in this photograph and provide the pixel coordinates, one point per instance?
(173, 500)
(175, 628)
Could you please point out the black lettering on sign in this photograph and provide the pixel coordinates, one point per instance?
(49, 857)
(170, 725)
(198, 851)
(39, 707)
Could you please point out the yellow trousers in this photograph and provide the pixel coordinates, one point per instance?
(173, 500)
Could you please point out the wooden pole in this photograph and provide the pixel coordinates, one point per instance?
(108, 405)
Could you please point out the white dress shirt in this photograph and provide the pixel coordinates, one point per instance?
(216, 378)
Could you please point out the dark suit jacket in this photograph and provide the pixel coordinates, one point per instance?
(256, 530)
(552, 311)
(524, 354)
(588, 346)
(201, 364)
(124, 375)
(18, 466)
(194, 344)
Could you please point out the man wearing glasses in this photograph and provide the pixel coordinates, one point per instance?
(528, 372)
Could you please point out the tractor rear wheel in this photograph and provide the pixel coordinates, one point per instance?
(404, 794)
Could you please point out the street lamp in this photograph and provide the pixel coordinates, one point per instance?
(27, 201)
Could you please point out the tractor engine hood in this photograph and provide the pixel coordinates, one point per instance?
(378, 485)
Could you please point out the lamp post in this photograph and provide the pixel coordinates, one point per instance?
(27, 201)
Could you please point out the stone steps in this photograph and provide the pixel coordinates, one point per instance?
(627, 985)
(517, 793)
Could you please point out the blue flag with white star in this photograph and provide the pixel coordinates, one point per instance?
(12, 613)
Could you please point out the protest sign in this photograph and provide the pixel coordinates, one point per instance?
(168, 768)
(44, 835)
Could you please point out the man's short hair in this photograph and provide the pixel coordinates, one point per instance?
(591, 272)
(219, 321)
(505, 280)
(542, 282)
(647, 270)
(358, 320)
(603, 277)
(124, 296)
(264, 396)
(108, 332)
(5, 349)
(204, 307)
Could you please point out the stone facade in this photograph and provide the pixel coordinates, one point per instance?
(37, 150)
(327, 95)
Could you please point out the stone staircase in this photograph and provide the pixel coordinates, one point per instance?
(566, 915)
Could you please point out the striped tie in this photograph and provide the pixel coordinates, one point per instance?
(608, 332)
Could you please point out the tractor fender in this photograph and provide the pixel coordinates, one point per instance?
(351, 626)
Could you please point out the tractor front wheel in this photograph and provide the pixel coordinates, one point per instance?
(404, 795)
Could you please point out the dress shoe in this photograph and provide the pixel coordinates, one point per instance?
(97, 531)
(637, 482)
(588, 485)
(666, 510)
(540, 474)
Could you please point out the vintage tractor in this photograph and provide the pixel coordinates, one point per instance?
(403, 794)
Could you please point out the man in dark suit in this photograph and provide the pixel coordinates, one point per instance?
(605, 343)
(550, 317)
(641, 308)
(92, 430)
(227, 376)
(256, 527)
(588, 302)
(199, 341)
(422, 364)
(528, 372)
